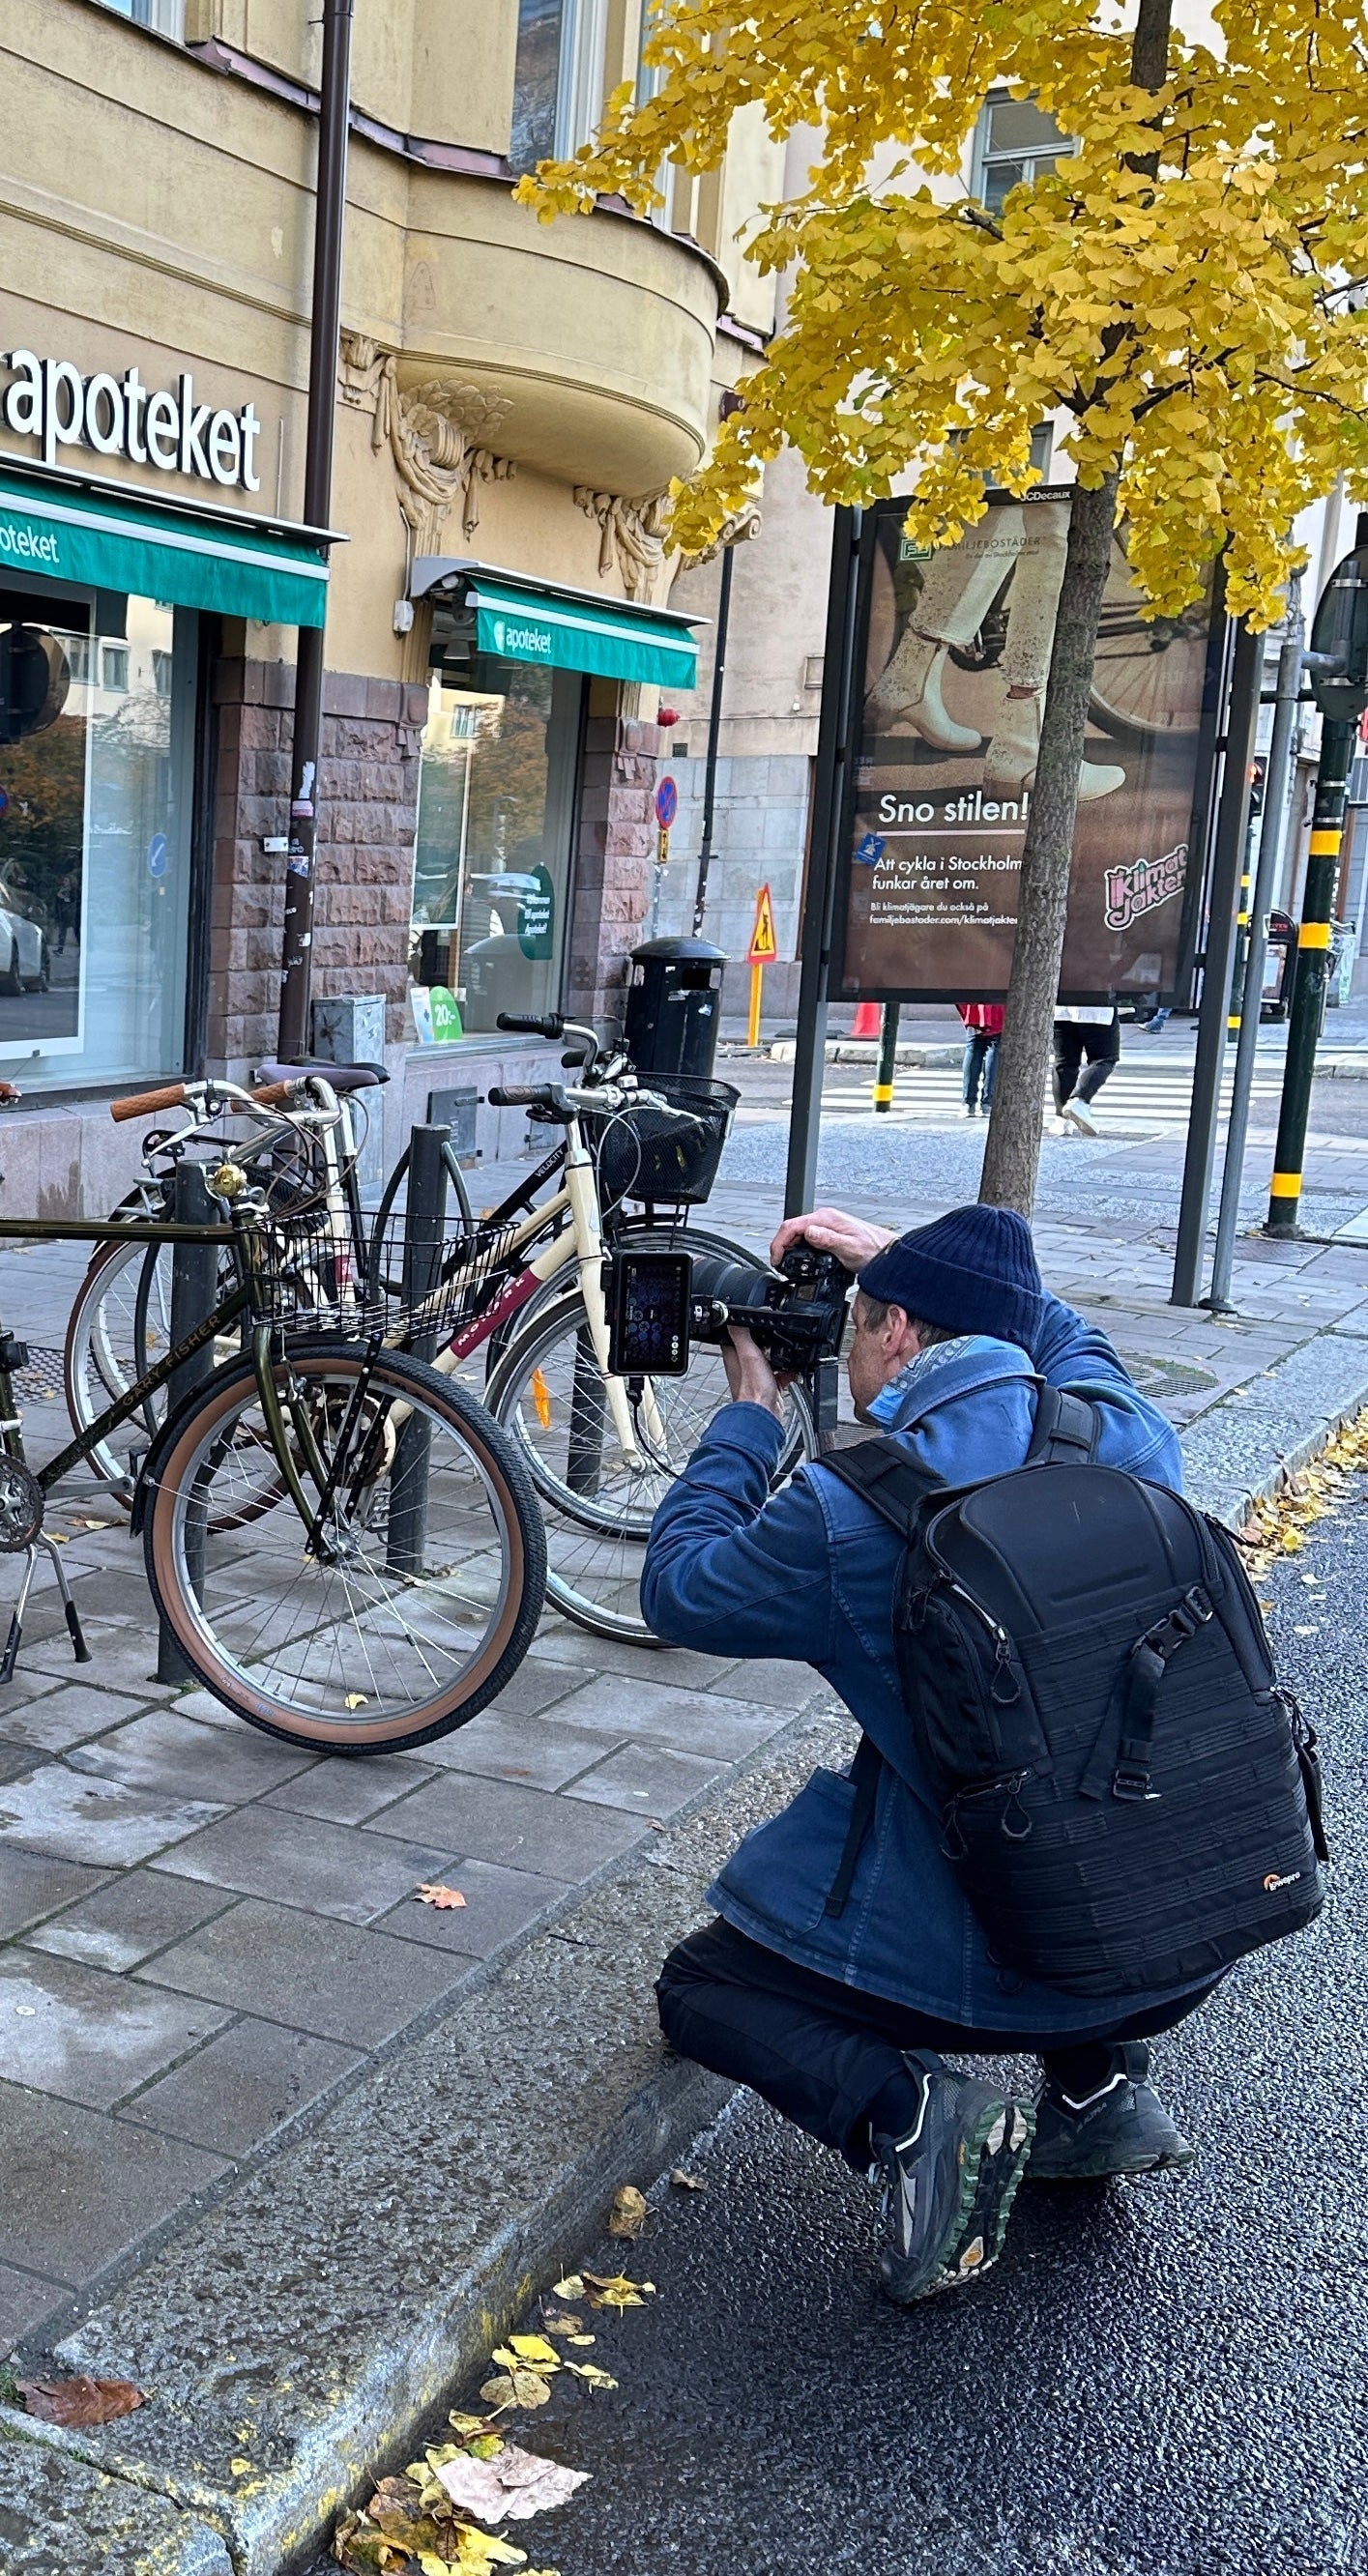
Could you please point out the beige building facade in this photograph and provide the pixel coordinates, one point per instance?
(513, 401)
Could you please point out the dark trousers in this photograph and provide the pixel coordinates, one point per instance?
(820, 2052)
(1075, 1039)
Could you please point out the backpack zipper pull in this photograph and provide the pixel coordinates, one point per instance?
(1002, 1667)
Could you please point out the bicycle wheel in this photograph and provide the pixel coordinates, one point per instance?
(119, 1327)
(437, 1557)
(548, 1394)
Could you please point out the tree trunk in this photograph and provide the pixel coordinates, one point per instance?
(1013, 1150)
(1012, 1158)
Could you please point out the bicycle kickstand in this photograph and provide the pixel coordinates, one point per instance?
(10, 1656)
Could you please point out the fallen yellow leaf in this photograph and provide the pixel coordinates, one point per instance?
(444, 1898)
(572, 2287)
(535, 2348)
(627, 2216)
(517, 2388)
(357, 1699)
(615, 2290)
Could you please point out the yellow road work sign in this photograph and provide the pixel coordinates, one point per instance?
(764, 944)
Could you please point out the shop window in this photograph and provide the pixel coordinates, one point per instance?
(495, 832)
(557, 79)
(1015, 143)
(163, 666)
(96, 764)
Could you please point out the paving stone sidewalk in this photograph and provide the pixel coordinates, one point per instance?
(207, 1937)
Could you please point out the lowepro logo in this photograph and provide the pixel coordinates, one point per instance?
(1288, 1878)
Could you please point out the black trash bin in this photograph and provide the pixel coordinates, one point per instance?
(674, 1006)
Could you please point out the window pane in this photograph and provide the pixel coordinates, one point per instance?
(999, 179)
(95, 771)
(492, 866)
(536, 81)
(1015, 125)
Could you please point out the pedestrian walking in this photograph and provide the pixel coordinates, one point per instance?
(1087, 1050)
(983, 1021)
(846, 1957)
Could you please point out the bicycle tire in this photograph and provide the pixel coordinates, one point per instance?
(595, 1552)
(333, 1675)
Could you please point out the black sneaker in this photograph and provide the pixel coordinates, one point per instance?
(949, 2183)
(1121, 2128)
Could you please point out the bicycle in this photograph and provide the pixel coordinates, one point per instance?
(345, 1548)
(601, 1451)
(121, 1316)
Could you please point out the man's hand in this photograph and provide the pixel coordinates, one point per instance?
(830, 1230)
(749, 1375)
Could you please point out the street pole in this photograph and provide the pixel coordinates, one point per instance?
(1338, 736)
(705, 849)
(835, 744)
(1276, 783)
(1232, 821)
(325, 327)
(1338, 665)
(888, 1056)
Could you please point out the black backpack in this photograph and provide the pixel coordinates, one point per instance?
(1129, 1797)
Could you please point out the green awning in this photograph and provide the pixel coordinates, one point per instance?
(564, 633)
(111, 543)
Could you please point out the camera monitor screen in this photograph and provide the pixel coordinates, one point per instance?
(649, 1314)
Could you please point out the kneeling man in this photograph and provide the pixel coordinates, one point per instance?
(839, 2014)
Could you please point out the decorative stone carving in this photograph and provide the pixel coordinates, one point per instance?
(436, 433)
(632, 535)
(743, 524)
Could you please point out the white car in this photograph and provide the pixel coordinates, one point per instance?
(24, 964)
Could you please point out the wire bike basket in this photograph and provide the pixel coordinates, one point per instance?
(643, 1153)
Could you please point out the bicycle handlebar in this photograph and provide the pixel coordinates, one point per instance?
(537, 1095)
(176, 1095)
(546, 1024)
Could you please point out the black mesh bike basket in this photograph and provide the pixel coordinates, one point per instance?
(643, 1153)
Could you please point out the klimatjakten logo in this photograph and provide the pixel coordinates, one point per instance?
(1131, 891)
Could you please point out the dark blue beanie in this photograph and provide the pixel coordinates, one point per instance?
(973, 1271)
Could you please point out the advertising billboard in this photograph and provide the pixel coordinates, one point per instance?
(957, 650)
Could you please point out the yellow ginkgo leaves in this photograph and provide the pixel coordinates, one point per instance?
(1182, 280)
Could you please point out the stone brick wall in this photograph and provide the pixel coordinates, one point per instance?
(368, 812)
(617, 831)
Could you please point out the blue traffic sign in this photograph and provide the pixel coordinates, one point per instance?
(157, 855)
(666, 803)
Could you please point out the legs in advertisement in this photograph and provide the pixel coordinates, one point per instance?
(960, 586)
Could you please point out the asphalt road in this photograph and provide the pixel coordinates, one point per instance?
(1161, 2379)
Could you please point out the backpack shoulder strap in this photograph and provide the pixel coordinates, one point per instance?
(1066, 1429)
(894, 1485)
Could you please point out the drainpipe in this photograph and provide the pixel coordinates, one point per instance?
(325, 326)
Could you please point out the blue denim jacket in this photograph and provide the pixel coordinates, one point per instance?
(810, 1574)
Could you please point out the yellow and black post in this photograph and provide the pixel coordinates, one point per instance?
(1313, 960)
(888, 1056)
(1338, 666)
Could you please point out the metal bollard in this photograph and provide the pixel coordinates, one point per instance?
(887, 1066)
(194, 1294)
(424, 1235)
